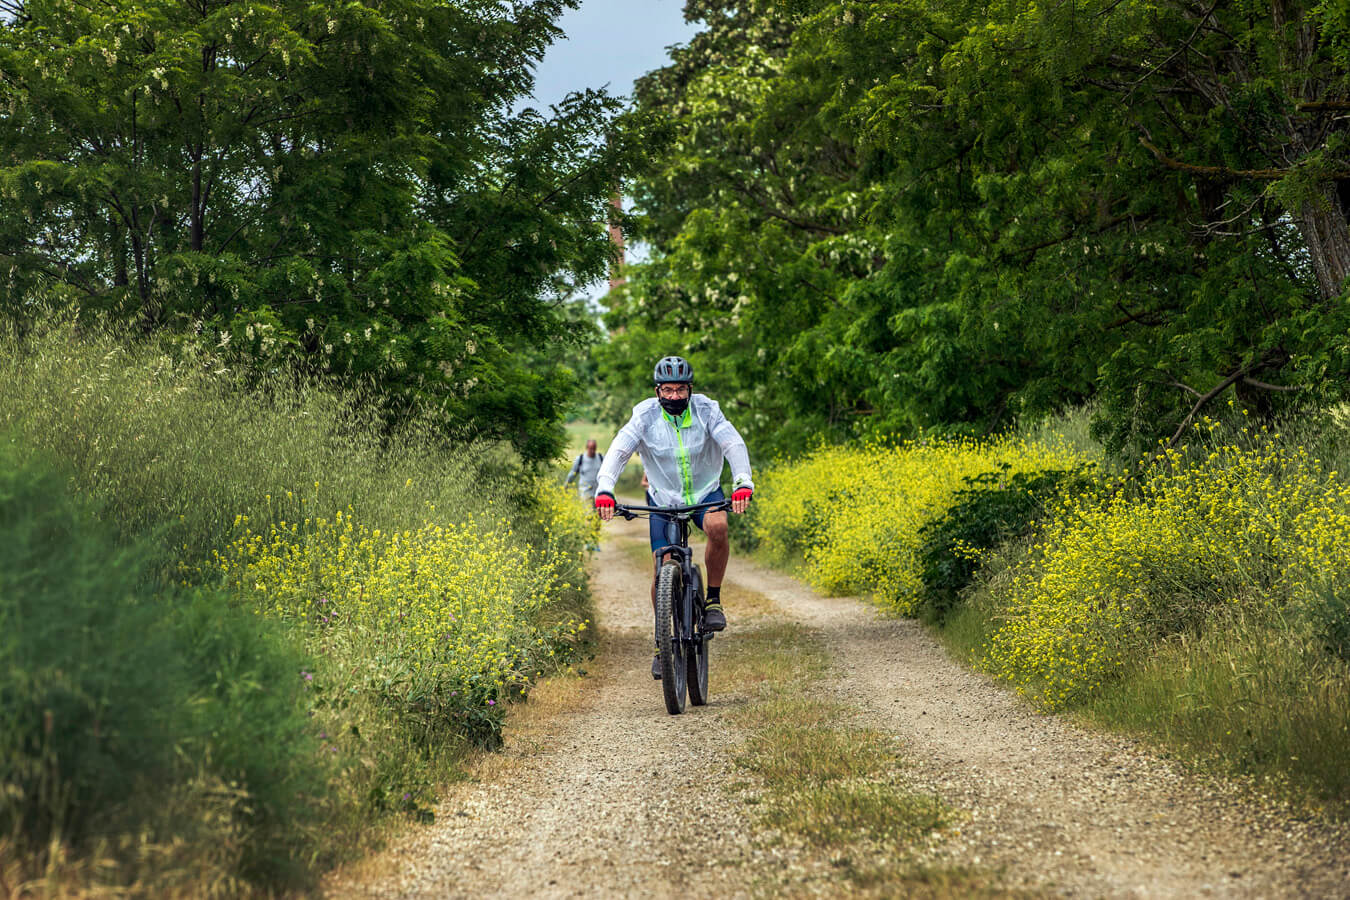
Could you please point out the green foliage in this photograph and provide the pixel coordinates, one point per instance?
(1331, 623)
(994, 508)
(915, 215)
(119, 699)
(269, 762)
(82, 719)
(342, 183)
(251, 726)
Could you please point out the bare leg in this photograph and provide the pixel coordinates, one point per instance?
(719, 548)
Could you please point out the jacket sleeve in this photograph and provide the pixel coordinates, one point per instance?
(622, 447)
(573, 474)
(733, 446)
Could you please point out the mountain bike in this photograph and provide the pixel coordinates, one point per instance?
(680, 636)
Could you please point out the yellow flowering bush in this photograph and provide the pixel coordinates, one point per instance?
(1265, 524)
(567, 519)
(854, 513)
(442, 621)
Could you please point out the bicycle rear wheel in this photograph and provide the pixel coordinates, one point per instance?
(674, 666)
(698, 656)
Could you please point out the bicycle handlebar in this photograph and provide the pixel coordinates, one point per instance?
(633, 512)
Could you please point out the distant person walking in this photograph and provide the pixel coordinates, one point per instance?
(586, 470)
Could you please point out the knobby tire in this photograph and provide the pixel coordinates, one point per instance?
(698, 657)
(674, 667)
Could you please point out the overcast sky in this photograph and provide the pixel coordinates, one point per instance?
(610, 43)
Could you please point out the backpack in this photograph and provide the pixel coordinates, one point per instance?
(576, 466)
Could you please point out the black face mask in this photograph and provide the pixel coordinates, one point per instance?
(674, 406)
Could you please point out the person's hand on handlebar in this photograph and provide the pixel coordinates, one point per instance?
(740, 499)
(604, 505)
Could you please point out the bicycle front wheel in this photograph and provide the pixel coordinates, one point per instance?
(674, 666)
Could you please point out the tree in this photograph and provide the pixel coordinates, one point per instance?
(745, 208)
(946, 214)
(347, 182)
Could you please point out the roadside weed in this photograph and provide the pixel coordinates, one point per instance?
(855, 514)
(828, 783)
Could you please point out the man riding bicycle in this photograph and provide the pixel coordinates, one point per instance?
(684, 440)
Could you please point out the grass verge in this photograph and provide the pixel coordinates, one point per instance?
(1253, 694)
(829, 784)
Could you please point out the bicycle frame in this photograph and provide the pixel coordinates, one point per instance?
(678, 519)
(688, 638)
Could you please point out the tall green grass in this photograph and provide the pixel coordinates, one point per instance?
(179, 443)
(132, 712)
(270, 755)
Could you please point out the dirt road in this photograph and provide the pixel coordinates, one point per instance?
(602, 794)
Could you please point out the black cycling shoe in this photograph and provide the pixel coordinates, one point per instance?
(713, 617)
(656, 667)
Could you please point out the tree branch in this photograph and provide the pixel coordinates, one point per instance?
(1247, 379)
(1204, 398)
(1319, 105)
(1225, 172)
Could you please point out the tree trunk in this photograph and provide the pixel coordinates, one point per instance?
(1323, 225)
(119, 244)
(197, 213)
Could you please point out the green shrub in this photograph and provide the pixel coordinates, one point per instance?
(248, 724)
(116, 694)
(994, 507)
(1329, 613)
(87, 676)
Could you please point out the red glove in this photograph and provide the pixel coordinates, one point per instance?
(602, 500)
(743, 493)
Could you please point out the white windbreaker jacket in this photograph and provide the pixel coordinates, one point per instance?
(683, 458)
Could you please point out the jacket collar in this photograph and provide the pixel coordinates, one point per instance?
(685, 421)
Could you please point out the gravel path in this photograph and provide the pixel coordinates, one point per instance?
(1059, 810)
(614, 797)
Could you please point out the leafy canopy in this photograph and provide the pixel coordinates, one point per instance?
(895, 216)
(348, 183)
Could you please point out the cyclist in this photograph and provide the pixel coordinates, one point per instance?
(684, 440)
(586, 467)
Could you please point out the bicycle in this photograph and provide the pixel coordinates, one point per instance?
(681, 637)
